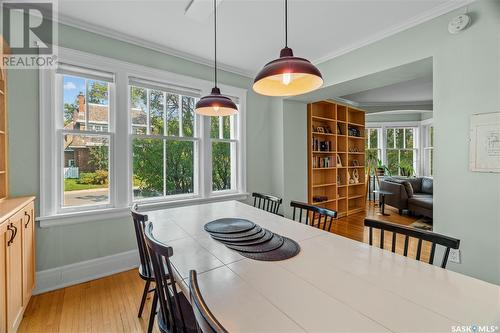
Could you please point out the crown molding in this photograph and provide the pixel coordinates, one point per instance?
(111, 33)
(445, 8)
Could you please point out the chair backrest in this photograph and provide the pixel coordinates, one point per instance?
(421, 235)
(139, 225)
(315, 216)
(206, 321)
(168, 297)
(267, 202)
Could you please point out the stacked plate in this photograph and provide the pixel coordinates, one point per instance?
(251, 240)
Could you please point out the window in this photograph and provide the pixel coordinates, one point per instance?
(165, 143)
(223, 145)
(113, 133)
(429, 151)
(401, 151)
(372, 146)
(84, 139)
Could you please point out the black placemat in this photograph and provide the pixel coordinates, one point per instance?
(267, 236)
(255, 233)
(289, 249)
(275, 242)
(229, 226)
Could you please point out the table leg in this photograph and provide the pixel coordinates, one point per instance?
(382, 203)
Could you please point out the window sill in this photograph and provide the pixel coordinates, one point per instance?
(112, 213)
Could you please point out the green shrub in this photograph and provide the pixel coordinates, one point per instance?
(100, 177)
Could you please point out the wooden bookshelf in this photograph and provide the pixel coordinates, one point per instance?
(3, 129)
(329, 138)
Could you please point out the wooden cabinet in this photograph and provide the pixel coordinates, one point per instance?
(17, 260)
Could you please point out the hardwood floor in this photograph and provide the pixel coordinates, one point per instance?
(110, 304)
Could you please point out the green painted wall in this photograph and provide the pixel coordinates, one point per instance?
(62, 245)
(466, 75)
(388, 118)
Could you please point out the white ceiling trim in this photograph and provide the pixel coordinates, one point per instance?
(80, 24)
(429, 15)
(111, 33)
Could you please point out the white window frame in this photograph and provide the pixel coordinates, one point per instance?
(120, 131)
(427, 147)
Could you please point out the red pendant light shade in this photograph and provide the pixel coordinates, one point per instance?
(287, 75)
(216, 104)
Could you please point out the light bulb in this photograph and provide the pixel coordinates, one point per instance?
(287, 78)
(216, 108)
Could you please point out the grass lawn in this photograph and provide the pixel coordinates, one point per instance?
(72, 185)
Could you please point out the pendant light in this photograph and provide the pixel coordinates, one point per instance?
(287, 75)
(215, 104)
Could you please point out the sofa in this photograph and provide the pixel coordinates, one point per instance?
(413, 194)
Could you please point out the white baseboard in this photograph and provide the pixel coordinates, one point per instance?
(60, 277)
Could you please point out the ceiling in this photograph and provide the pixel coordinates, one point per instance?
(251, 31)
(417, 91)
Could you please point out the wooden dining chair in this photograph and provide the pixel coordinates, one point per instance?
(205, 320)
(421, 235)
(314, 216)
(145, 268)
(176, 314)
(267, 202)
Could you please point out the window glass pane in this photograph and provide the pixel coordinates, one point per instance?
(172, 114)
(392, 161)
(409, 137)
(399, 137)
(390, 138)
(180, 167)
(138, 112)
(156, 111)
(85, 172)
(406, 163)
(431, 162)
(223, 166)
(148, 167)
(214, 127)
(372, 155)
(188, 116)
(98, 105)
(226, 127)
(74, 90)
(373, 138)
(367, 135)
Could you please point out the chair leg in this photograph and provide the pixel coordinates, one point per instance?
(144, 295)
(152, 315)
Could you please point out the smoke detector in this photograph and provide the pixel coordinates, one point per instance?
(458, 23)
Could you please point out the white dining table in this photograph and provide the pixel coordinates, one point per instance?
(334, 284)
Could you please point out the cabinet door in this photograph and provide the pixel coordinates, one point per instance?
(14, 272)
(28, 253)
(4, 235)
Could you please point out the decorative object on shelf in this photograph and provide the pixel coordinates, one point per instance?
(339, 162)
(353, 149)
(215, 104)
(355, 163)
(353, 131)
(287, 75)
(350, 180)
(320, 129)
(355, 176)
(339, 181)
(339, 130)
(485, 142)
(320, 198)
(328, 130)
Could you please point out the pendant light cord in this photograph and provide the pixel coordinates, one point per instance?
(286, 23)
(215, 42)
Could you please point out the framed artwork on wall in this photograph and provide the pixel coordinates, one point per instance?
(484, 150)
